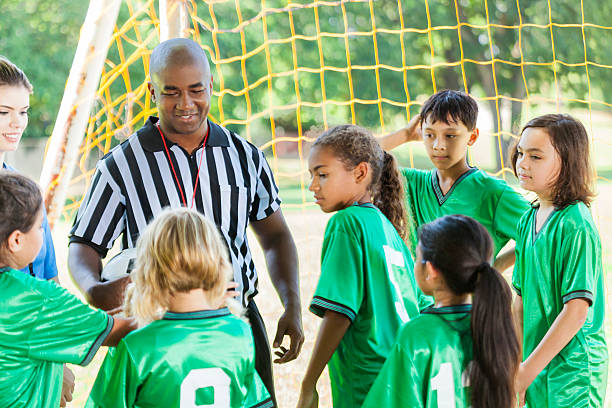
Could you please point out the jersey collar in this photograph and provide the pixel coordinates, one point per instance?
(365, 205)
(435, 183)
(200, 314)
(151, 141)
(448, 309)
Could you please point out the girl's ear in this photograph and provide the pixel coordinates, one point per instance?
(361, 171)
(14, 241)
(431, 273)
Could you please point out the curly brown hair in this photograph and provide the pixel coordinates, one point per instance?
(571, 142)
(353, 145)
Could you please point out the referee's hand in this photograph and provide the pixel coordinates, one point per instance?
(290, 324)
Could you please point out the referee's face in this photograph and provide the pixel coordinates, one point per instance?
(182, 94)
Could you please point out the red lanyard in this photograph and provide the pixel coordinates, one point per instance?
(178, 183)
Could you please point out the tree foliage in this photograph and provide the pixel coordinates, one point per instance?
(41, 36)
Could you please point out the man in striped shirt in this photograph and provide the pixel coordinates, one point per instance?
(185, 159)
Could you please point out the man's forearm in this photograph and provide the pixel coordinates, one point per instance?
(282, 263)
(84, 265)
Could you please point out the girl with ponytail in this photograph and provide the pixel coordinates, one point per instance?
(367, 289)
(464, 350)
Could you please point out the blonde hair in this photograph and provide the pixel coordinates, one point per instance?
(179, 251)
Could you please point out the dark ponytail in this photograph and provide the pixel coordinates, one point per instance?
(389, 196)
(353, 145)
(460, 248)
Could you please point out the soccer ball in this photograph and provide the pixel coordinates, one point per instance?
(119, 266)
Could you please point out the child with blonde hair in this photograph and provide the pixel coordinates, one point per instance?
(190, 350)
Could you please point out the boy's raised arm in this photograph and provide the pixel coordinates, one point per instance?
(411, 133)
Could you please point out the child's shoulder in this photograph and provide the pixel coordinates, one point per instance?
(411, 173)
(25, 284)
(576, 217)
(351, 216)
(220, 321)
(490, 184)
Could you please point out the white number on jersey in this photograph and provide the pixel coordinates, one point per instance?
(396, 258)
(204, 378)
(444, 384)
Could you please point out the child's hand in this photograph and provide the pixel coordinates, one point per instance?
(412, 132)
(67, 386)
(522, 382)
(309, 398)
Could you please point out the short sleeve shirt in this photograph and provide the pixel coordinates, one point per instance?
(139, 178)
(489, 200)
(163, 365)
(42, 326)
(427, 365)
(561, 262)
(45, 265)
(367, 275)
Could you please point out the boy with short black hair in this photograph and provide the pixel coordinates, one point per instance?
(447, 126)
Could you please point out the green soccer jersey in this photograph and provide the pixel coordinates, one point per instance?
(42, 326)
(184, 360)
(559, 263)
(427, 365)
(367, 275)
(489, 200)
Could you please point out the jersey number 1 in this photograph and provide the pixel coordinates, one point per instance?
(204, 378)
(396, 258)
(444, 384)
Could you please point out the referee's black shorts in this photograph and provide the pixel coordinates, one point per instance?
(263, 355)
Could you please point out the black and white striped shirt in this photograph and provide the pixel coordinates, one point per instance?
(134, 181)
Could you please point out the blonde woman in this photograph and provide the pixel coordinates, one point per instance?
(190, 349)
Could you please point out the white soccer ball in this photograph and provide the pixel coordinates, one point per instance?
(119, 266)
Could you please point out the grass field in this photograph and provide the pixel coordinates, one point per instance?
(307, 226)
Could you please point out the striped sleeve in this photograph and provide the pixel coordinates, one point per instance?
(579, 266)
(341, 261)
(101, 216)
(266, 200)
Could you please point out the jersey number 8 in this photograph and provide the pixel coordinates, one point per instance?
(204, 378)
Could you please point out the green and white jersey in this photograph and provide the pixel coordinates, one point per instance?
(42, 326)
(184, 360)
(560, 263)
(367, 275)
(427, 365)
(489, 200)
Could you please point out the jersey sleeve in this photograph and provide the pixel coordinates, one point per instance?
(510, 208)
(66, 330)
(341, 286)
(397, 384)
(266, 200)
(49, 263)
(101, 216)
(579, 260)
(257, 394)
(117, 383)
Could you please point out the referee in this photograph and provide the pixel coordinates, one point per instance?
(183, 159)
